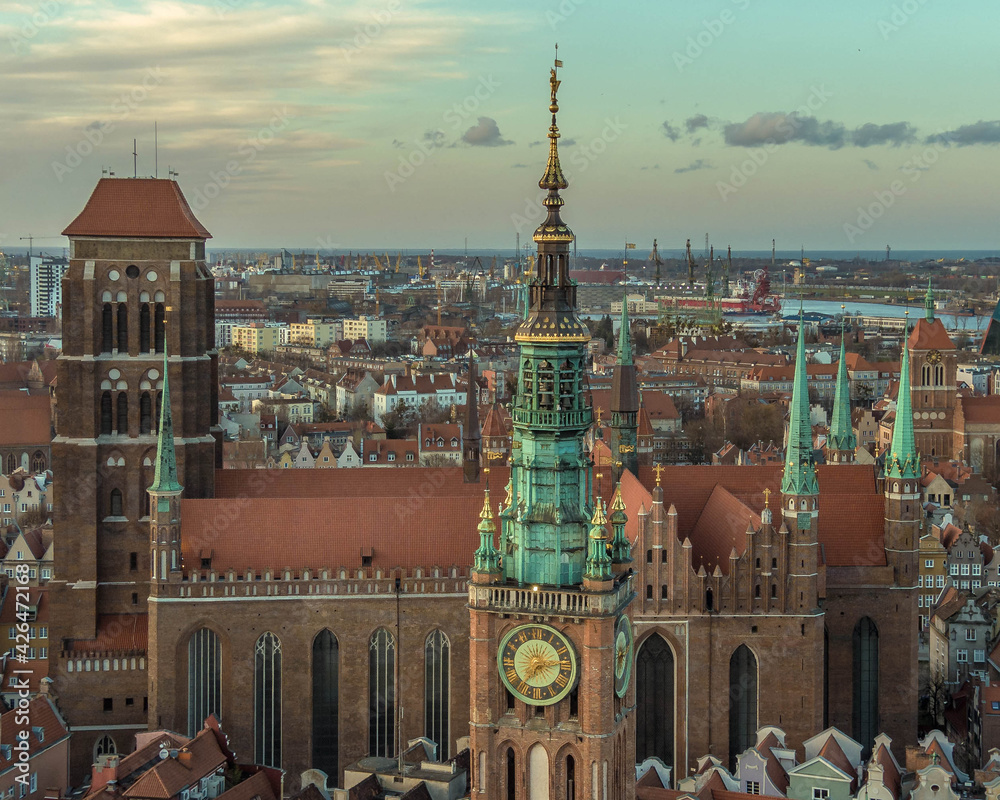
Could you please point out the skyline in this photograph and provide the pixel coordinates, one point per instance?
(418, 124)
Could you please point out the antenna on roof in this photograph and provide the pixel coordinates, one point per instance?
(171, 173)
(156, 153)
(135, 160)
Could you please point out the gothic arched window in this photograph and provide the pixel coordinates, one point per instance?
(107, 329)
(437, 688)
(204, 678)
(381, 694)
(267, 700)
(939, 375)
(742, 701)
(105, 746)
(325, 702)
(116, 503)
(654, 693)
(11, 463)
(511, 774)
(925, 375)
(122, 328)
(570, 778)
(865, 682)
(145, 413)
(106, 418)
(158, 327)
(38, 462)
(122, 414)
(144, 330)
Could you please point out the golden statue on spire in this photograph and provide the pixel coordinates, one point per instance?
(553, 179)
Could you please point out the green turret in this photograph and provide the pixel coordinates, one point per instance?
(800, 466)
(598, 560)
(902, 460)
(545, 524)
(624, 403)
(841, 443)
(487, 557)
(929, 303)
(621, 548)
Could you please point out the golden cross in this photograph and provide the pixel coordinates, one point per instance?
(767, 498)
(658, 469)
(597, 414)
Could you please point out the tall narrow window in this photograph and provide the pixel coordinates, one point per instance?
(144, 328)
(122, 328)
(538, 773)
(116, 503)
(204, 678)
(107, 329)
(511, 775)
(12, 459)
(122, 414)
(865, 682)
(436, 691)
(742, 702)
(267, 700)
(158, 327)
(145, 413)
(325, 702)
(38, 462)
(654, 691)
(382, 694)
(570, 778)
(106, 416)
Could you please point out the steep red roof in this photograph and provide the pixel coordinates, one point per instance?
(981, 409)
(930, 336)
(143, 207)
(834, 753)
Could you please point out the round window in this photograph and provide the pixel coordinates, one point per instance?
(132, 271)
(114, 275)
(151, 276)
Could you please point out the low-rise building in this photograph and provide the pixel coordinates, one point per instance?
(256, 337)
(42, 733)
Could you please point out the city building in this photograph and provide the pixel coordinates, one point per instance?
(256, 337)
(45, 739)
(46, 285)
(373, 329)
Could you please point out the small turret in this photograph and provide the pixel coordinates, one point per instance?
(929, 303)
(164, 498)
(598, 569)
(902, 460)
(621, 548)
(472, 444)
(624, 402)
(841, 442)
(486, 566)
(799, 478)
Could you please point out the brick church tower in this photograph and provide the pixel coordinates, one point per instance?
(137, 286)
(934, 369)
(550, 649)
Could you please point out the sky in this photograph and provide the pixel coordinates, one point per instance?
(404, 124)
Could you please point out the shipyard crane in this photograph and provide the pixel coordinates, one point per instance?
(420, 268)
(655, 258)
(399, 260)
(387, 262)
(30, 240)
(378, 264)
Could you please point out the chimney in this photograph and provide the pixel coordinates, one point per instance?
(184, 757)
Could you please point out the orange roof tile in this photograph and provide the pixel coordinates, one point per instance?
(930, 336)
(142, 207)
(24, 419)
(43, 715)
(981, 409)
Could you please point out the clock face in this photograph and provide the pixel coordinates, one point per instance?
(623, 655)
(537, 663)
(933, 357)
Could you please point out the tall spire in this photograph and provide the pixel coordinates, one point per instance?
(472, 435)
(800, 465)
(553, 178)
(165, 477)
(902, 460)
(625, 336)
(929, 303)
(842, 436)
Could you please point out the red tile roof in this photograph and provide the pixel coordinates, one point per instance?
(42, 714)
(24, 419)
(116, 632)
(198, 758)
(930, 336)
(981, 409)
(142, 207)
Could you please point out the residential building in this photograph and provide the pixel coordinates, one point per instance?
(46, 274)
(933, 561)
(314, 333)
(373, 329)
(961, 633)
(256, 337)
(443, 389)
(45, 739)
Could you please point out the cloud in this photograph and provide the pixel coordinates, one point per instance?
(485, 133)
(518, 166)
(697, 121)
(870, 164)
(434, 138)
(780, 128)
(895, 133)
(398, 144)
(655, 166)
(567, 142)
(535, 143)
(694, 166)
(982, 132)
(670, 131)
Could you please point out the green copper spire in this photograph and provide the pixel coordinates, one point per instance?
(929, 303)
(165, 478)
(487, 557)
(841, 432)
(902, 460)
(800, 466)
(598, 560)
(625, 336)
(621, 548)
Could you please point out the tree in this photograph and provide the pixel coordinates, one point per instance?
(359, 411)
(605, 330)
(397, 422)
(325, 413)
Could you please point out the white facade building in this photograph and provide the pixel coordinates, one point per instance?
(46, 285)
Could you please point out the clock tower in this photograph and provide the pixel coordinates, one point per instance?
(551, 639)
